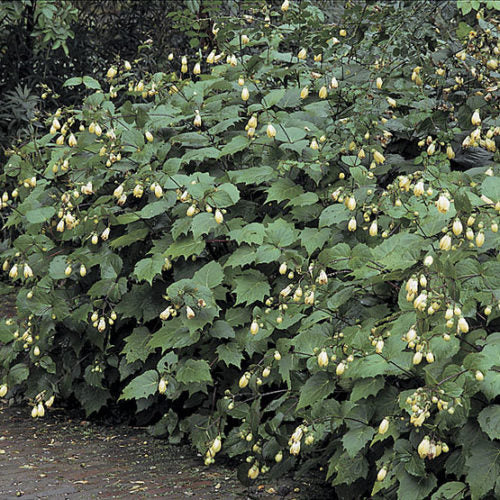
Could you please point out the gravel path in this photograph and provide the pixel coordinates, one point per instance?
(58, 458)
(53, 458)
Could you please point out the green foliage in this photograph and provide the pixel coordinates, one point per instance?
(310, 273)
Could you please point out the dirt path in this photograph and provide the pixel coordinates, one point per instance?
(58, 458)
(50, 458)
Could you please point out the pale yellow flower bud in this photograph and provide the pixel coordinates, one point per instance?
(118, 191)
(445, 243)
(138, 191)
(443, 204)
(411, 335)
(323, 277)
(309, 298)
(417, 358)
(271, 131)
(158, 191)
(219, 218)
(101, 325)
(210, 57)
(384, 426)
(165, 314)
(424, 447)
(378, 157)
(419, 188)
(28, 272)
(480, 239)
(492, 64)
(462, 325)
(244, 380)
(412, 285)
(457, 227)
(189, 313)
(476, 118)
(323, 359)
(392, 102)
(382, 473)
(105, 234)
(111, 73)
(254, 327)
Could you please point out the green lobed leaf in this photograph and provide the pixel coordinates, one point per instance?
(147, 269)
(209, 275)
(142, 386)
(192, 371)
(317, 387)
(136, 345)
(230, 353)
(251, 286)
(40, 215)
(489, 420)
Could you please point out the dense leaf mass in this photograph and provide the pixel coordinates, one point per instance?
(278, 251)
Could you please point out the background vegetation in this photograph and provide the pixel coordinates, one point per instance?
(274, 232)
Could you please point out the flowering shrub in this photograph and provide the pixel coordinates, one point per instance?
(287, 251)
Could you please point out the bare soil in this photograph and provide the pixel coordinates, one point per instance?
(56, 457)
